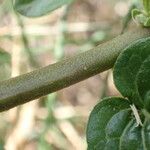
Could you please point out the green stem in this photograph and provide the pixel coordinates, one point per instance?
(27, 87)
(25, 41)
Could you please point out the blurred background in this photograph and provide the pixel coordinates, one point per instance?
(56, 121)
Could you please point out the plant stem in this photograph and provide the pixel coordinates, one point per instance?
(25, 43)
(35, 84)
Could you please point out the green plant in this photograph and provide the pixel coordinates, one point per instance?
(115, 123)
(142, 16)
(123, 123)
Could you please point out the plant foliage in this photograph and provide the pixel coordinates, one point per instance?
(119, 123)
(36, 8)
(116, 123)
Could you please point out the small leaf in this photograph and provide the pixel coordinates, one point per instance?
(106, 123)
(143, 83)
(36, 8)
(140, 17)
(112, 126)
(127, 67)
(135, 12)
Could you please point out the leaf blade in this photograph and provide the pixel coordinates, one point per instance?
(127, 67)
(143, 83)
(99, 118)
(36, 8)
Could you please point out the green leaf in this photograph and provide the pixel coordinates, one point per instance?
(141, 17)
(112, 126)
(135, 12)
(36, 8)
(127, 67)
(143, 83)
(106, 123)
